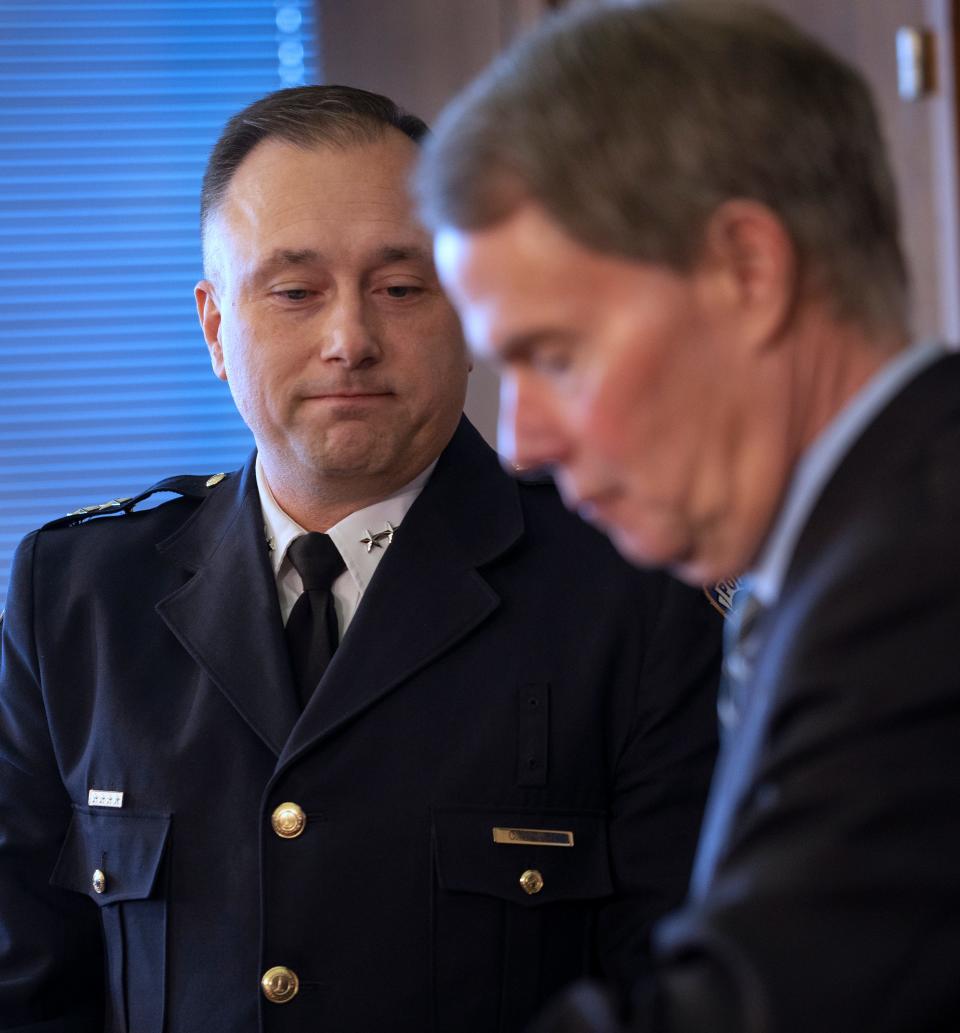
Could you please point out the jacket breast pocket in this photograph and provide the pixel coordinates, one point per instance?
(515, 901)
(116, 859)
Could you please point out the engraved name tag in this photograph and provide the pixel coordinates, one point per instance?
(105, 798)
(533, 837)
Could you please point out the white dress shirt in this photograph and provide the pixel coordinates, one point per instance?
(352, 537)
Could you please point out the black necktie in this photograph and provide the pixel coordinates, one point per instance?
(312, 626)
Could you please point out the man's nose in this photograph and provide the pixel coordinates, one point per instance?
(349, 334)
(529, 431)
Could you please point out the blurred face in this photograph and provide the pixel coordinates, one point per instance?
(324, 315)
(629, 380)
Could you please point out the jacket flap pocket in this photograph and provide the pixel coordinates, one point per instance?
(528, 857)
(112, 857)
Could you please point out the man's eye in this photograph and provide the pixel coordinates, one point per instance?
(401, 291)
(293, 294)
(552, 361)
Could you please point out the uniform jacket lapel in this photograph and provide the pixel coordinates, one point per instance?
(427, 594)
(227, 615)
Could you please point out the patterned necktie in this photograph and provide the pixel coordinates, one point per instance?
(740, 648)
(311, 630)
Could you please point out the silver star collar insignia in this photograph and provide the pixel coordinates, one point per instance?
(375, 541)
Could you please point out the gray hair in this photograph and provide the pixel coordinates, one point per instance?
(631, 124)
(306, 116)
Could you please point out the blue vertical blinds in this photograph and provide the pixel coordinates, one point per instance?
(108, 111)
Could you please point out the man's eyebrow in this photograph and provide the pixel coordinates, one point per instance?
(284, 257)
(520, 346)
(299, 257)
(386, 255)
(405, 253)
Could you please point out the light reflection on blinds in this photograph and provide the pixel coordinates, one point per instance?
(108, 110)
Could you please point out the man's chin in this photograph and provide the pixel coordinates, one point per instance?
(636, 547)
(648, 551)
(351, 446)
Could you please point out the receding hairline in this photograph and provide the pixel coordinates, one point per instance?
(305, 140)
(378, 132)
(329, 114)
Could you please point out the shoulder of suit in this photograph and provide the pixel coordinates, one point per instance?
(193, 486)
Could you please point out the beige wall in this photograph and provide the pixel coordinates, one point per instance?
(419, 52)
(921, 135)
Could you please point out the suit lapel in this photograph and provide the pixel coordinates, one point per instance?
(914, 421)
(911, 425)
(733, 777)
(227, 615)
(427, 593)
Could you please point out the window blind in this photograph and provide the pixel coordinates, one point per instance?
(108, 111)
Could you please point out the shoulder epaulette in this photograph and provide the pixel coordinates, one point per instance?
(194, 486)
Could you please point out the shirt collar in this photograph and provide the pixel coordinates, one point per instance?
(822, 458)
(280, 529)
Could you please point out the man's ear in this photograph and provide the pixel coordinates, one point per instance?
(208, 310)
(755, 261)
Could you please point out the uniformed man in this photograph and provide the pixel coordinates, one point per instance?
(367, 735)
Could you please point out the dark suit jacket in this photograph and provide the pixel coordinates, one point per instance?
(826, 895)
(505, 669)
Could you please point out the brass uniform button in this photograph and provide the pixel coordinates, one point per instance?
(212, 482)
(288, 821)
(99, 881)
(280, 984)
(531, 881)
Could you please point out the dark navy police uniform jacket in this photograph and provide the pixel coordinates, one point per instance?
(499, 779)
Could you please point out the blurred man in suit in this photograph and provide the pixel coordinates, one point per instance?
(673, 228)
(367, 735)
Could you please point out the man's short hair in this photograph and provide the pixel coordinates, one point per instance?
(629, 125)
(306, 116)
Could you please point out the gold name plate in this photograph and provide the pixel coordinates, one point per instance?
(533, 837)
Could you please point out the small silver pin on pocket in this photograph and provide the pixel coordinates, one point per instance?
(105, 798)
(533, 837)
